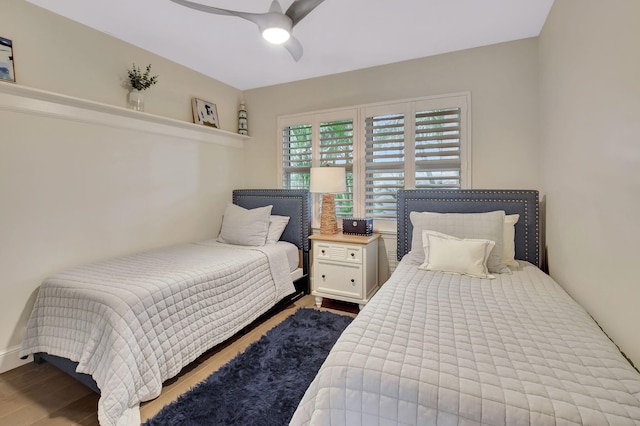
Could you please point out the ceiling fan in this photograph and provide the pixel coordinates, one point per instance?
(274, 25)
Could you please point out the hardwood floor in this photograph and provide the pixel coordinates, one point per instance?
(39, 394)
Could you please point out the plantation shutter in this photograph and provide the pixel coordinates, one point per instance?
(296, 156)
(420, 143)
(384, 164)
(437, 149)
(336, 149)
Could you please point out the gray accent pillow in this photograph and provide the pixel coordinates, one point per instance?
(487, 226)
(245, 227)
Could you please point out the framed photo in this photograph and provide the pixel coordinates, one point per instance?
(205, 113)
(7, 72)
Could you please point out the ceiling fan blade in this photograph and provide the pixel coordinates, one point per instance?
(294, 47)
(263, 20)
(301, 8)
(275, 7)
(257, 18)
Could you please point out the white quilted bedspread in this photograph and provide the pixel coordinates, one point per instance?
(135, 321)
(434, 348)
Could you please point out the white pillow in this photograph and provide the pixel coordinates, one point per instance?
(276, 227)
(484, 226)
(425, 243)
(509, 236)
(461, 256)
(245, 227)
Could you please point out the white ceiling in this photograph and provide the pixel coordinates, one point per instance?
(338, 36)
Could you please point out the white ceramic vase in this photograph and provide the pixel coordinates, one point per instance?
(136, 100)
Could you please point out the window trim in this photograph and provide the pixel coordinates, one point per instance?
(314, 119)
(358, 113)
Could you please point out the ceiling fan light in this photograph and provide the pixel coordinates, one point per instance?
(276, 35)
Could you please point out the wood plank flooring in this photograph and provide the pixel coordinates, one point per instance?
(39, 394)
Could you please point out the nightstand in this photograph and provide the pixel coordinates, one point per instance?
(345, 267)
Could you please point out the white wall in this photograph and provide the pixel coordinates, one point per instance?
(59, 55)
(75, 191)
(590, 158)
(502, 79)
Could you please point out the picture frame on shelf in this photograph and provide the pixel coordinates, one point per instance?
(205, 113)
(7, 70)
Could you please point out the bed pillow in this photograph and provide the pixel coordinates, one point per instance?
(484, 226)
(509, 236)
(276, 228)
(461, 256)
(425, 244)
(245, 227)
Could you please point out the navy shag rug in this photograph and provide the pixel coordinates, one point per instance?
(264, 384)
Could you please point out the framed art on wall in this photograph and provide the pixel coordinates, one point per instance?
(205, 113)
(7, 72)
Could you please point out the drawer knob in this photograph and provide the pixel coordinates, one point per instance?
(352, 281)
(353, 255)
(323, 276)
(322, 251)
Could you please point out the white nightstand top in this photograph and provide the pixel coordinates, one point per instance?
(345, 238)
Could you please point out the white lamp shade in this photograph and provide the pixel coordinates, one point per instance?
(328, 180)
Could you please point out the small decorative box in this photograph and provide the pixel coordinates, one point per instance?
(357, 226)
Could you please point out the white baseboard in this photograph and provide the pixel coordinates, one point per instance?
(10, 359)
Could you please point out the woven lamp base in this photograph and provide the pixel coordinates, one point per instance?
(328, 222)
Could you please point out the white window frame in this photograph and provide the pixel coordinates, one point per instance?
(359, 113)
(314, 119)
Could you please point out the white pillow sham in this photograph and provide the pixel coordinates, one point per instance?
(461, 256)
(276, 228)
(509, 236)
(245, 227)
(484, 226)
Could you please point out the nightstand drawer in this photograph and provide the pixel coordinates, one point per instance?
(338, 253)
(340, 280)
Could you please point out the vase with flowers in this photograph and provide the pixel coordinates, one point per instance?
(139, 82)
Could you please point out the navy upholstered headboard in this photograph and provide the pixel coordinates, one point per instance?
(294, 203)
(286, 202)
(522, 202)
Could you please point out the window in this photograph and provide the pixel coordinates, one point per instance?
(384, 164)
(418, 143)
(336, 149)
(296, 156)
(318, 140)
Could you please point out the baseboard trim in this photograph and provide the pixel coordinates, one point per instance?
(10, 359)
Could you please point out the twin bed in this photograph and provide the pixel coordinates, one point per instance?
(435, 347)
(123, 326)
(501, 344)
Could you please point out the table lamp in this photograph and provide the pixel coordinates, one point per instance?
(328, 181)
